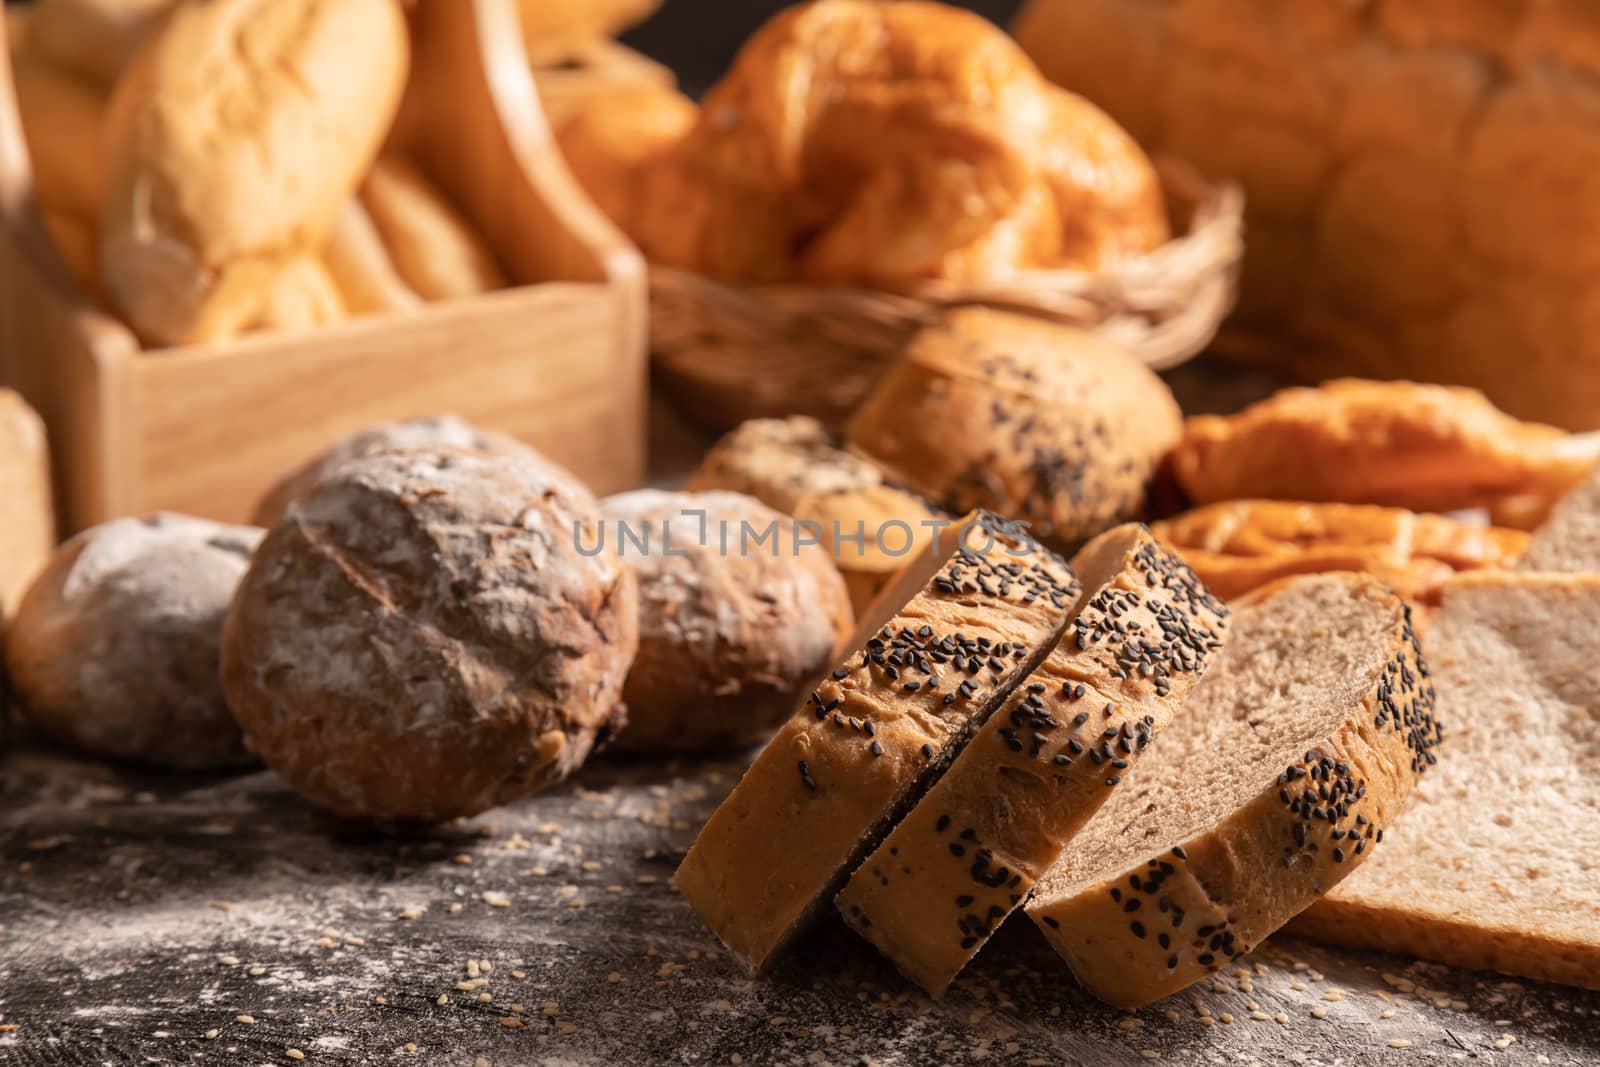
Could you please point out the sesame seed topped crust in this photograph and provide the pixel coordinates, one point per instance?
(1298, 748)
(969, 853)
(874, 733)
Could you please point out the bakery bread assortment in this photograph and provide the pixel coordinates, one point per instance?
(1041, 423)
(27, 509)
(1289, 762)
(872, 528)
(1493, 868)
(859, 143)
(739, 615)
(953, 635)
(1143, 632)
(117, 645)
(1240, 545)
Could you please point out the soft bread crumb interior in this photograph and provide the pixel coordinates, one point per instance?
(1293, 666)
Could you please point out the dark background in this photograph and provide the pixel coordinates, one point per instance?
(698, 38)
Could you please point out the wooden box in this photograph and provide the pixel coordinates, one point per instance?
(558, 361)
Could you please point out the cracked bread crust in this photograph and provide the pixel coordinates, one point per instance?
(429, 634)
(960, 630)
(1141, 911)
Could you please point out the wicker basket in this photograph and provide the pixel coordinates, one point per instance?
(729, 352)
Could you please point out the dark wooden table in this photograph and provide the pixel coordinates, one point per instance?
(146, 918)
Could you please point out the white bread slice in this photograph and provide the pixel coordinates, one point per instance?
(951, 638)
(1569, 540)
(965, 857)
(1295, 751)
(1497, 864)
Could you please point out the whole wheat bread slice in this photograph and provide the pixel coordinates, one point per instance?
(1295, 751)
(950, 873)
(1497, 864)
(1569, 541)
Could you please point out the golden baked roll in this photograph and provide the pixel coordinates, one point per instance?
(233, 140)
(553, 29)
(1423, 447)
(1242, 545)
(302, 296)
(613, 140)
(1038, 422)
(433, 247)
(361, 266)
(61, 119)
(94, 39)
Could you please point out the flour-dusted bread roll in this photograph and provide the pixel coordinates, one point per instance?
(116, 647)
(233, 140)
(739, 614)
(1143, 633)
(94, 39)
(872, 529)
(1494, 866)
(27, 511)
(302, 297)
(433, 247)
(429, 634)
(1241, 545)
(1038, 422)
(1288, 762)
(953, 635)
(614, 143)
(429, 431)
(361, 266)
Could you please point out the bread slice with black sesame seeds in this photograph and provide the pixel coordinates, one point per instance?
(958, 630)
(1497, 863)
(1569, 540)
(1301, 743)
(950, 873)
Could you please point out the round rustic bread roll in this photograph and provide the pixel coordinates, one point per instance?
(447, 431)
(738, 616)
(115, 647)
(1038, 422)
(430, 633)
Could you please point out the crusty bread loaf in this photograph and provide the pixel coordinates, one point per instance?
(429, 634)
(362, 267)
(738, 617)
(94, 39)
(433, 248)
(116, 647)
(301, 297)
(1289, 761)
(433, 431)
(233, 141)
(1143, 632)
(1242, 545)
(61, 118)
(553, 29)
(614, 141)
(1042, 423)
(872, 529)
(956, 632)
(1570, 540)
(27, 514)
(1420, 187)
(1494, 865)
(1423, 447)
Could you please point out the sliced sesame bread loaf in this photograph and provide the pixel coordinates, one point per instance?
(1569, 540)
(1497, 863)
(948, 875)
(1291, 756)
(959, 630)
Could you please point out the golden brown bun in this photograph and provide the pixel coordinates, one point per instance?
(883, 144)
(233, 140)
(554, 29)
(302, 296)
(1421, 176)
(1239, 546)
(614, 140)
(27, 515)
(94, 39)
(1042, 423)
(434, 249)
(1423, 447)
(61, 120)
(361, 266)
(732, 632)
